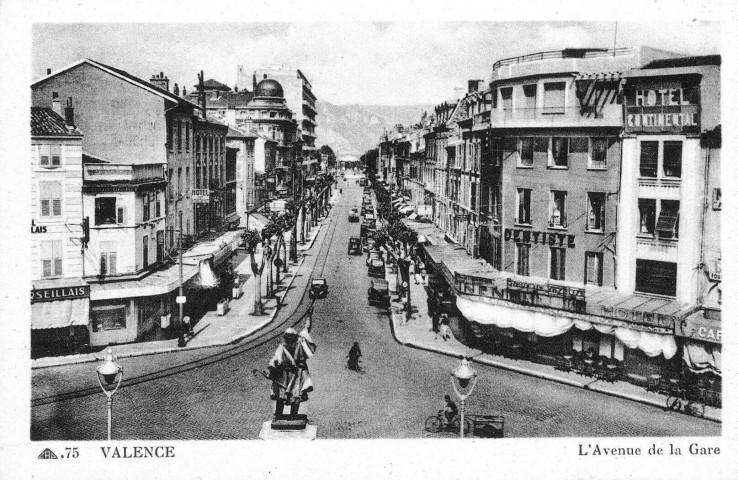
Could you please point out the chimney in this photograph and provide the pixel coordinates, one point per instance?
(184, 91)
(160, 81)
(69, 113)
(176, 89)
(235, 88)
(56, 103)
(254, 83)
(201, 96)
(48, 71)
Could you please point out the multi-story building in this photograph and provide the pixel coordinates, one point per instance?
(60, 297)
(210, 181)
(299, 97)
(246, 193)
(268, 116)
(589, 180)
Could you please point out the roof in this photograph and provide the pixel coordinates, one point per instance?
(122, 74)
(214, 84)
(88, 158)
(226, 99)
(697, 61)
(237, 133)
(45, 121)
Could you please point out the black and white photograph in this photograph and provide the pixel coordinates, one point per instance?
(461, 236)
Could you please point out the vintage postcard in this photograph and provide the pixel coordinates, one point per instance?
(346, 245)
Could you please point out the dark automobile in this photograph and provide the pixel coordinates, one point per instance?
(366, 231)
(354, 246)
(367, 244)
(373, 255)
(376, 268)
(378, 293)
(318, 288)
(353, 215)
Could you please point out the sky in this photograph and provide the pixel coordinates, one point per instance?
(375, 63)
(346, 62)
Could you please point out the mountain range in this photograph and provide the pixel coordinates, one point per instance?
(354, 129)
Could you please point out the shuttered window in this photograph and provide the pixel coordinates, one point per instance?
(593, 268)
(51, 258)
(668, 222)
(558, 263)
(523, 259)
(51, 199)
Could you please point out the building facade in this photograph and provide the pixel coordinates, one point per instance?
(60, 296)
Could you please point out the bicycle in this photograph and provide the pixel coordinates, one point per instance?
(677, 402)
(438, 423)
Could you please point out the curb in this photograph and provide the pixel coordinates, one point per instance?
(533, 373)
(157, 351)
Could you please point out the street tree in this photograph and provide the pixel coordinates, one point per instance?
(251, 240)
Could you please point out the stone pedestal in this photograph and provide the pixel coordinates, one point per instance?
(267, 433)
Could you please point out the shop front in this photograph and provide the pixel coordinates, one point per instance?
(59, 317)
(700, 335)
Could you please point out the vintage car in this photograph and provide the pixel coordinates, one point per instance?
(366, 231)
(370, 217)
(354, 246)
(318, 288)
(367, 243)
(353, 215)
(376, 268)
(371, 224)
(373, 255)
(378, 293)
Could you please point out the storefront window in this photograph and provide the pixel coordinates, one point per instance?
(108, 317)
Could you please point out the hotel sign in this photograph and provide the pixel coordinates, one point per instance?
(59, 293)
(662, 107)
(633, 316)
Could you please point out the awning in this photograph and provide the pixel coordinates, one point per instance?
(698, 327)
(60, 313)
(160, 282)
(702, 358)
(652, 344)
(208, 278)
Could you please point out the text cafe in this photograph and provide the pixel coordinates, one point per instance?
(662, 107)
(535, 236)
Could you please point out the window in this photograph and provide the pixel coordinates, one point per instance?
(558, 263)
(523, 201)
(272, 114)
(647, 215)
(179, 135)
(559, 152)
(649, 158)
(557, 209)
(525, 151)
(187, 181)
(51, 258)
(179, 182)
(656, 277)
(44, 155)
(506, 94)
(595, 212)
(51, 199)
(170, 143)
(553, 97)
(668, 223)
(593, 268)
(522, 256)
(187, 136)
(146, 207)
(717, 199)
(598, 153)
(145, 250)
(108, 317)
(108, 258)
(673, 159)
(529, 92)
(171, 181)
(496, 202)
(158, 205)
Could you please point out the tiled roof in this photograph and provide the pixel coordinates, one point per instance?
(44, 121)
(212, 83)
(238, 133)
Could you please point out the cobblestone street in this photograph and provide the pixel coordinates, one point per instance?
(401, 386)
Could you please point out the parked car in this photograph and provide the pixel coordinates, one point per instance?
(376, 268)
(370, 217)
(369, 223)
(367, 244)
(354, 246)
(318, 288)
(373, 255)
(378, 293)
(353, 215)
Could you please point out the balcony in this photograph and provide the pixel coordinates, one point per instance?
(123, 173)
(664, 250)
(568, 60)
(553, 117)
(669, 188)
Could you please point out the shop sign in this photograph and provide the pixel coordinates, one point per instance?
(533, 236)
(634, 316)
(700, 328)
(662, 107)
(37, 228)
(59, 293)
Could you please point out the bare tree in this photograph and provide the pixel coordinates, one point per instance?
(252, 239)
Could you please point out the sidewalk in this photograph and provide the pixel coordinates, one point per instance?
(211, 330)
(417, 333)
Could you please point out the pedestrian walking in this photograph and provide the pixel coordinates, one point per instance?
(424, 277)
(434, 322)
(445, 329)
(187, 326)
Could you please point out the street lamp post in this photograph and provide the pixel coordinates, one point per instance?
(110, 372)
(463, 379)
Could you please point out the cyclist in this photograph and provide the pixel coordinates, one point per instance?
(354, 355)
(449, 410)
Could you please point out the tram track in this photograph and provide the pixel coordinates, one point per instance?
(251, 342)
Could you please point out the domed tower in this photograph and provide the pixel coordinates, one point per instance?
(268, 88)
